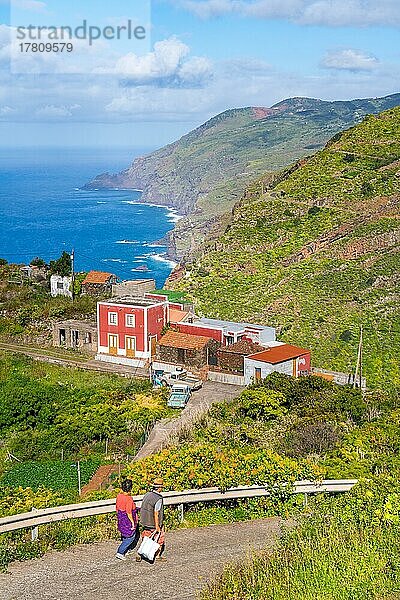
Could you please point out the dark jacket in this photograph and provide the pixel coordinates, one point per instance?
(147, 510)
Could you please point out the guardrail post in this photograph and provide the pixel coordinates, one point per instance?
(181, 514)
(35, 530)
(305, 500)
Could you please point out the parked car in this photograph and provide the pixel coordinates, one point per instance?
(179, 396)
(179, 375)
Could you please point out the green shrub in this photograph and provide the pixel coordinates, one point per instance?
(262, 405)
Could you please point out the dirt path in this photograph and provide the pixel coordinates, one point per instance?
(198, 404)
(92, 572)
(51, 356)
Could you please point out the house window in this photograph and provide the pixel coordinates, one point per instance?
(130, 320)
(60, 285)
(112, 318)
(88, 338)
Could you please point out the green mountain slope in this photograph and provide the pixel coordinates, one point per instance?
(205, 172)
(317, 254)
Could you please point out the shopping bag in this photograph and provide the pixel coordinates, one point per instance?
(149, 547)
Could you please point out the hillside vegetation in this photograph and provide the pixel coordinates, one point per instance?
(317, 254)
(205, 172)
(46, 409)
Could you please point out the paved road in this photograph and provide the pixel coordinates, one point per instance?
(199, 403)
(92, 572)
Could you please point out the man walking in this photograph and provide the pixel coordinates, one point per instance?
(152, 517)
(127, 519)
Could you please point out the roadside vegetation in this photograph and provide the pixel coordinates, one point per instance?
(347, 549)
(344, 548)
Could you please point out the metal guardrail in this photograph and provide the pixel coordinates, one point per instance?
(88, 509)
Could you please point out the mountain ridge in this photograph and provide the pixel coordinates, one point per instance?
(204, 173)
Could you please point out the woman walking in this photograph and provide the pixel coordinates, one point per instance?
(127, 520)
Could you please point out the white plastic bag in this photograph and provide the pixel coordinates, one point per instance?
(149, 547)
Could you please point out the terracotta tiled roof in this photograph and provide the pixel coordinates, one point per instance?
(244, 347)
(97, 277)
(176, 315)
(279, 354)
(173, 339)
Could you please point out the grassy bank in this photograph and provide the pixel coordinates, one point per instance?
(347, 550)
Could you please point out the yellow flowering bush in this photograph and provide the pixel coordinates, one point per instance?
(206, 465)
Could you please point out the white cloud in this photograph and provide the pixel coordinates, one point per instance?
(52, 111)
(168, 65)
(31, 5)
(311, 12)
(7, 110)
(350, 60)
(142, 103)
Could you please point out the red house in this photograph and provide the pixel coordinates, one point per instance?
(129, 328)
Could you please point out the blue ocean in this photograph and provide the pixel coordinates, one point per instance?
(43, 211)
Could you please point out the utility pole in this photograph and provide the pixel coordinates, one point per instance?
(359, 361)
(73, 273)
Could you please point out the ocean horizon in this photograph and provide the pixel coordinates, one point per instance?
(44, 211)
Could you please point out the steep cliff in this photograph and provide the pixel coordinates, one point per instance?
(205, 172)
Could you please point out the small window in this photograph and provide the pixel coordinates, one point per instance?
(130, 320)
(88, 338)
(60, 285)
(112, 318)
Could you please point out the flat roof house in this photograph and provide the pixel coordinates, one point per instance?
(229, 332)
(60, 286)
(78, 335)
(133, 287)
(129, 328)
(281, 358)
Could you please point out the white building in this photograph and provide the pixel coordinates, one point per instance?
(60, 286)
(280, 358)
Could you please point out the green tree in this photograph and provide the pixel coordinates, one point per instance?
(62, 266)
(262, 404)
(37, 262)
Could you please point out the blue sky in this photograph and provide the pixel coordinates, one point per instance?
(201, 57)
